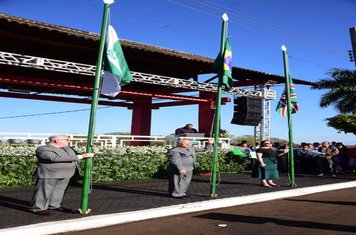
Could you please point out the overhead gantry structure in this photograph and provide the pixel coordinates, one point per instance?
(47, 62)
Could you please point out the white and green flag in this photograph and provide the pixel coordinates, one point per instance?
(116, 71)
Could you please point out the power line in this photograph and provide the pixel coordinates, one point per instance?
(192, 8)
(246, 21)
(49, 113)
(250, 22)
(272, 27)
(310, 62)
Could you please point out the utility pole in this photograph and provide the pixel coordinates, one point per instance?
(353, 42)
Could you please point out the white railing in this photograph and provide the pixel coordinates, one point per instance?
(105, 141)
(200, 142)
(76, 140)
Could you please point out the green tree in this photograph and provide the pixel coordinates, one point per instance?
(342, 94)
(342, 90)
(343, 122)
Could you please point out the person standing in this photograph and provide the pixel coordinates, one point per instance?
(182, 163)
(266, 169)
(57, 163)
(245, 147)
(341, 159)
(186, 129)
(326, 158)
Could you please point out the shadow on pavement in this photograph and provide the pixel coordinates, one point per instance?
(291, 223)
(326, 202)
(14, 203)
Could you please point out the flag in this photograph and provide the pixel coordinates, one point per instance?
(282, 104)
(227, 66)
(116, 71)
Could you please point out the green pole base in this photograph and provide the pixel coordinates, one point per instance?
(81, 212)
(293, 185)
(213, 195)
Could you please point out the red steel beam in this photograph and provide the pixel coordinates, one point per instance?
(169, 104)
(164, 96)
(62, 99)
(82, 87)
(42, 83)
(101, 102)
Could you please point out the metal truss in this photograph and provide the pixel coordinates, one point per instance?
(46, 64)
(14, 59)
(263, 130)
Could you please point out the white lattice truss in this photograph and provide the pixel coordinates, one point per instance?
(89, 70)
(264, 126)
(261, 132)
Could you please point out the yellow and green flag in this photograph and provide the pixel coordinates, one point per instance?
(225, 59)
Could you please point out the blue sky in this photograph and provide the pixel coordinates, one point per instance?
(316, 33)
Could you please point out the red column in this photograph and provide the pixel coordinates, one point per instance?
(206, 112)
(141, 118)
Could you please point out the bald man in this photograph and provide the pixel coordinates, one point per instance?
(182, 163)
(57, 163)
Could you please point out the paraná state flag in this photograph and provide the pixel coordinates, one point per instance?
(116, 70)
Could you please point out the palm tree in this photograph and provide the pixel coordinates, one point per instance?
(342, 85)
(342, 94)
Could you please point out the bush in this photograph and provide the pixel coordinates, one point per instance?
(127, 163)
(17, 164)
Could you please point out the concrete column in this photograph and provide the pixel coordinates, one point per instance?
(206, 113)
(141, 118)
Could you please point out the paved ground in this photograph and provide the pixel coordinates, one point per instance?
(137, 195)
(326, 213)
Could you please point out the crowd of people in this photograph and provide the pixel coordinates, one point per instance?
(322, 158)
(266, 161)
(326, 158)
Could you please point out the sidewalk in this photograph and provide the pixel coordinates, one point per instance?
(130, 196)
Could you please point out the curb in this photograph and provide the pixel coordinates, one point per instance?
(126, 217)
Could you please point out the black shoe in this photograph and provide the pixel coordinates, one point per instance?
(43, 212)
(63, 209)
(182, 197)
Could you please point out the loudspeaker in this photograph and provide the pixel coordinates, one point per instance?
(247, 111)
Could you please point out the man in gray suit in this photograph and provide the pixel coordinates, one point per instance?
(182, 163)
(57, 163)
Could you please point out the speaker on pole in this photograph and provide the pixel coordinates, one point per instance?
(247, 111)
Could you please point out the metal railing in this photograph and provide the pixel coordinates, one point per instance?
(77, 140)
(199, 142)
(106, 141)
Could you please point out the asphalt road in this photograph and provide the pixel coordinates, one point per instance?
(332, 212)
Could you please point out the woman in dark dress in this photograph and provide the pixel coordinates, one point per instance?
(266, 169)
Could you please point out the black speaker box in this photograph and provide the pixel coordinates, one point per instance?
(247, 111)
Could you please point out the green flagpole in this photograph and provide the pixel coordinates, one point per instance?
(289, 117)
(94, 104)
(213, 194)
